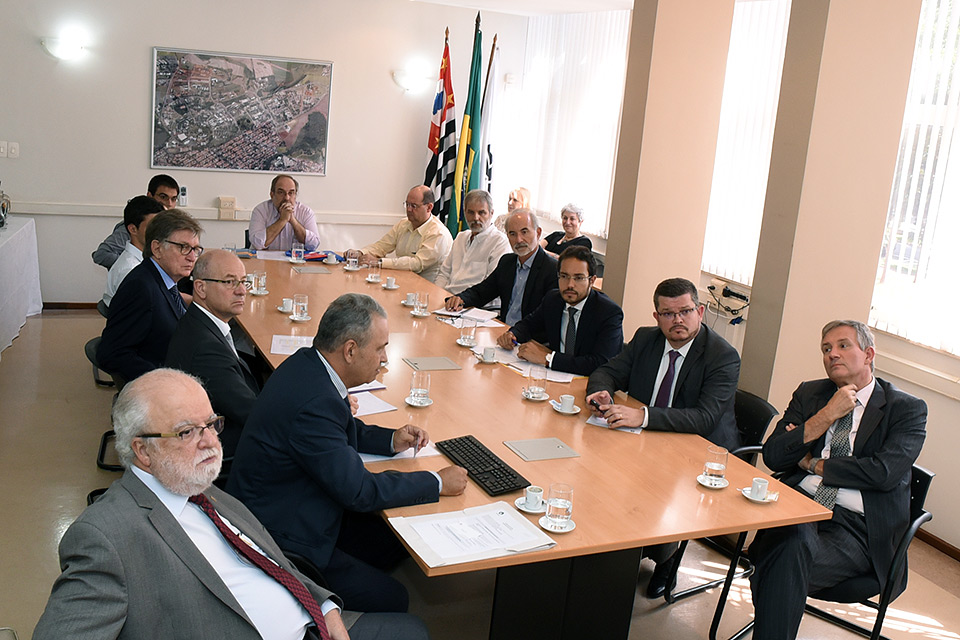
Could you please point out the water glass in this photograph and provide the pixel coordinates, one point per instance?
(297, 252)
(420, 388)
(468, 332)
(374, 275)
(300, 306)
(537, 381)
(260, 281)
(715, 466)
(421, 303)
(559, 506)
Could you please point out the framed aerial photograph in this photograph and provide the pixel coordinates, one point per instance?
(231, 112)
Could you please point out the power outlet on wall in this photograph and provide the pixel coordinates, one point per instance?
(3, 148)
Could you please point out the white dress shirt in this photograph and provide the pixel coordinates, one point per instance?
(275, 613)
(662, 372)
(129, 258)
(472, 258)
(850, 499)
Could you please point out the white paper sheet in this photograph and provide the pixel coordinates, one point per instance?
(505, 356)
(427, 451)
(523, 367)
(458, 322)
(272, 255)
(602, 422)
(375, 385)
(370, 404)
(286, 345)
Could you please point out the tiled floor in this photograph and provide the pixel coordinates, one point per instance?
(51, 418)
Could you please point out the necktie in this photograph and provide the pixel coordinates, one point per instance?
(233, 347)
(571, 334)
(278, 573)
(839, 447)
(663, 395)
(177, 301)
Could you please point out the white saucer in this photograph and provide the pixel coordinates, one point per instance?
(292, 261)
(307, 319)
(258, 293)
(546, 527)
(425, 314)
(384, 285)
(410, 402)
(527, 396)
(351, 268)
(282, 310)
(466, 344)
(519, 503)
(772, 496)
(372, 281)
(703, 482)
(334, 263)
(408, 304)
(556, 407)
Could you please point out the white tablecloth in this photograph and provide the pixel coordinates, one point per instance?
(19, 277)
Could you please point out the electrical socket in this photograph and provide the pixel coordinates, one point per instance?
(227, 209)
(3, 148)
(13, 150)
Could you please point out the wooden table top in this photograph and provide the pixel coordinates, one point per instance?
(630, 490)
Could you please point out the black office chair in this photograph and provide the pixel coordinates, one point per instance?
(90, 349)
(246, 238)
(753, 415)
(102, 308)
(861, 588)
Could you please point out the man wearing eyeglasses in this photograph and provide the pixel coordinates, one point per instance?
(420, 241)
(683, 373)
(164, 554)
(277, 223)
(584, 327)
(147, 306)
(205, 345)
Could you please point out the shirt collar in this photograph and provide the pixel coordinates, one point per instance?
(684, 350)
(529, 262)
(863, 396)
(173, 502)
(579, 305)
(167, 280)
(223, 326)
(334, 376)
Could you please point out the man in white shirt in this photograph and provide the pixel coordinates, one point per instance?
(420, 241)
(474, 255)
(158, 555)
(136, 216)
(162, 188)
(277, 223)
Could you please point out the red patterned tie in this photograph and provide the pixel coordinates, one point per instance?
(278, 573)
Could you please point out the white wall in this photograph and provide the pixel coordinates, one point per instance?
(84, 127)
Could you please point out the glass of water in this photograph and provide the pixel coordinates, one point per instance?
(468, 332)
(420, 388)
(421, 304)
(715, 468)
(297, 252)
(374, 275)
(559, 506)
(300, 306)
(260, 281)
(537, 382)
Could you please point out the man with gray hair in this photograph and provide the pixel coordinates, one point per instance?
(474, 255)
(848, 441)
(159, 554)
(521, 278)
(298, 470)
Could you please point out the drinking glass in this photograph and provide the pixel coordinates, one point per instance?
(537, 381)
(374, 275)
(297, 252)
(715, 466)
(420, 388)
(468, 332)
(300, 306)
(559, 506)
(260, 281)
(421, 304)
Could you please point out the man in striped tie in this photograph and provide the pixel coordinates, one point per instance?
(849, 441)
(164, 554)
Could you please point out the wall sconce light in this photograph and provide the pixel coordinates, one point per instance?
(70, 45)
(414, 77)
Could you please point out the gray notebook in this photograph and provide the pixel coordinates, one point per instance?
(311, 268)
(432, 364)
(541, 449)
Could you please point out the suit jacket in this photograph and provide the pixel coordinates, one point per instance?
(141, 320)
(130, 571)
(198, 347)
(704, 392)
(888, 441)
(297, 465)
(599, 331)
(542, 278)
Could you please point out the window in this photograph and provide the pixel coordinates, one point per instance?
(751, 92)
(919, 258)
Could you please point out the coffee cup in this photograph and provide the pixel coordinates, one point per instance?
(331, 259)
(566, 403)
(411, 299)
(391, 282)
(287, 305)
(489, 354)
(534, 497)
(759, 489)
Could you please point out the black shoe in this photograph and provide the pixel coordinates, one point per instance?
(657, 586)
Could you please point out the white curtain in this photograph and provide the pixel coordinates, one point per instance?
(751, 92)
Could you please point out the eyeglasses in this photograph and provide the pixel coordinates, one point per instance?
(578, 278)
(231, 284)
(186, 249)
(671, 316)
(412, 205)
(191, 433)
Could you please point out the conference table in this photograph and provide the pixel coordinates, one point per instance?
(630, 490)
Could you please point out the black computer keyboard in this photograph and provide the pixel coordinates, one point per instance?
(490, 472)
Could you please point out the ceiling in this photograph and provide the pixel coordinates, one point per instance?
(538, 7)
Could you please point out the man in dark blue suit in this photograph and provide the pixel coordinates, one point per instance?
(297, 465)
(521, 278)
(684, 374)
(584, 327)
(147, 306)
(849, 441)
